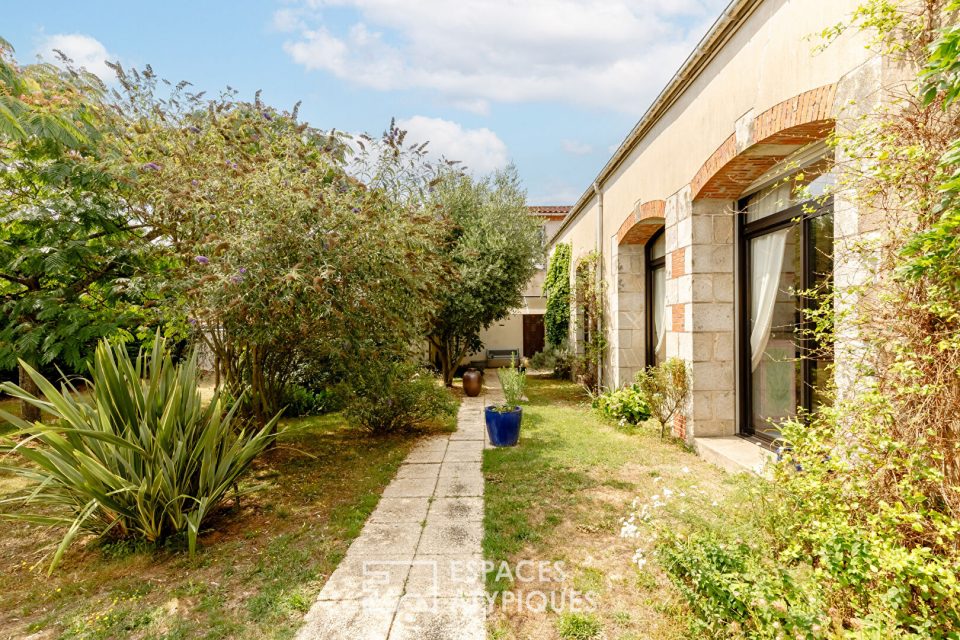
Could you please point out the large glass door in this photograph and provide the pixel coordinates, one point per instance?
(656, 264)
(786, 255)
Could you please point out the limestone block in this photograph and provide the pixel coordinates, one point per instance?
(715, 316)
(713, 376)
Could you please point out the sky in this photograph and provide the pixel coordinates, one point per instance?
(552, 86)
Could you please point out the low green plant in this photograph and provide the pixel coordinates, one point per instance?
(301, 401)
(390, 396)
(625, 406)
(514, 382)
(579, 626)
(142, 458)
(664, 387)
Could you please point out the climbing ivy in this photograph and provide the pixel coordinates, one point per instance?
(556, 287)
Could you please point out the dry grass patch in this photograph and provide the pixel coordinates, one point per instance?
(560, 496)
(257, 571)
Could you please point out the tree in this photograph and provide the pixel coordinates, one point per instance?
(280, 259)
(67, 249)
(492, 247)
(556, 287)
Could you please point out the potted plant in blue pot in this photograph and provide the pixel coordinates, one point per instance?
(503, 420)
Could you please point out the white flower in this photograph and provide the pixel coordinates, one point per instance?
(714, 504)
(657, 479)
(667, 493)
(685, 469)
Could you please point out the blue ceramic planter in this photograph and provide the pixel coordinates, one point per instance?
(503, 427)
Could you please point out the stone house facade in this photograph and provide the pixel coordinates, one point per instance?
(715, 213)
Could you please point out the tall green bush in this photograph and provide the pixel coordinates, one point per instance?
(143, 458)
(389, 396)
(556, 286)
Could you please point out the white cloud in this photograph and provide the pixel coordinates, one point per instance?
(611, 53)
(576, 147)
(481, 150)
(85, 51)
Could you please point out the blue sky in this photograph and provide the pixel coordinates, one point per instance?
(550, 85)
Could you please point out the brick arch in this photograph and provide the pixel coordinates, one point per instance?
(642, 223)
(772, 136)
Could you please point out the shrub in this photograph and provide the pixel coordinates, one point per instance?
(556, 287)
(624, 406)
(513, 381)
(391, 396)
(301, 401)
(665, 388)
(558, 359)
(143, 458)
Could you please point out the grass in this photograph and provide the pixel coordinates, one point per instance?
(559, 497)
(255, 574)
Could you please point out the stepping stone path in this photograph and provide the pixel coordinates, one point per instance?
(416, 569)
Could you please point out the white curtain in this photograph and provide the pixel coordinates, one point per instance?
(765, 269)
(659, 308)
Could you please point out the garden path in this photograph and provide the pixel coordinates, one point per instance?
(416, 569)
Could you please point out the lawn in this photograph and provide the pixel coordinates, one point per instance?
(256, 572)
(560, 497)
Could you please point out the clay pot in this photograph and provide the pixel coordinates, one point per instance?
(472, 382)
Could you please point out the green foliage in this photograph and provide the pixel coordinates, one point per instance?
(858, 535)
(624, 406)
(389, 396)
(281, 262)
(70, 254)
(492, 248)
(588, 301)
(143, 458)
(301, 401)
(664, 387)
(737, 591)
(557, 359)
(514, 383)
(579, 626)
(556, 287)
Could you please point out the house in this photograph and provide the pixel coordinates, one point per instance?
(704, 239)
(522, 331)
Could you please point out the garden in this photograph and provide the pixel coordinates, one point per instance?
(223, 329)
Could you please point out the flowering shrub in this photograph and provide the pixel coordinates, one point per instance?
(624, 406)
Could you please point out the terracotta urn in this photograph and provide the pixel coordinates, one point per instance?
(472, 382)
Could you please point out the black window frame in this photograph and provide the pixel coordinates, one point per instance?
(800, 215)
(650, 265)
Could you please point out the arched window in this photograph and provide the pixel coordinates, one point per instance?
(656, 254)
(786, 248)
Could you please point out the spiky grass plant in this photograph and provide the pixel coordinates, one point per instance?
(142, 458)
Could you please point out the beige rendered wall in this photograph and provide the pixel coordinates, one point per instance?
(770, 59)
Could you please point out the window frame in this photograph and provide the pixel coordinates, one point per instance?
(650, 265)
(800, 216)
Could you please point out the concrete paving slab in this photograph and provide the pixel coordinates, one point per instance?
(349, 620)
(459, 576)
(379, 539)
(459, 469)
(456, 486)
(368, 577)
(425, 456)
(445, 537)
(410, 488)
(463, 509)
(428, 470)
(400, 510)
(439, 619)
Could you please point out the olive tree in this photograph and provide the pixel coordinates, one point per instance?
(492, 248)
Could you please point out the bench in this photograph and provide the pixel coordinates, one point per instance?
(504, 355)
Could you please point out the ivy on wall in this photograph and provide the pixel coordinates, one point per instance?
(556, 287)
